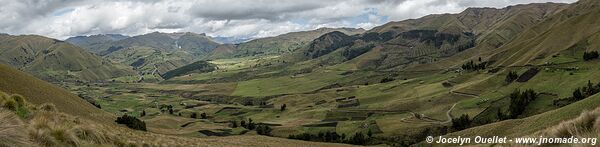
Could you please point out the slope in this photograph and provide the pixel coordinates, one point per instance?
(56, 60)
(38, 92)
(287, 42)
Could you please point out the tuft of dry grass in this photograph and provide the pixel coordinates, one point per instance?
(11, 132)
(586, 125)
(48, 107)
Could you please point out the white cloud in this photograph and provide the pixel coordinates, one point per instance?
(241, 18)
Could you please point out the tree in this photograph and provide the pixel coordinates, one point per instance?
(250, 125)
(243, 123)
(511, 77)
(577, 95)
(519, 101)
(461, 123)
(194, 115)
(234, 124)
(203, 115)
(143, 113)
(283, 107)
(370, 133)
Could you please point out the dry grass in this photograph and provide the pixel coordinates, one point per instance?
(586, 125)
(11, 133)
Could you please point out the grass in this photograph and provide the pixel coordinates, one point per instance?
(587, 125)
(285, 84)
(11, 132)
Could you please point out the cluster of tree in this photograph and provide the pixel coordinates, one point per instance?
(466, 46)
(356, 51)
(131, 122)
(512, 76)
(579, 94)
(518, 102)
(260, 129)
(248, 125)
(590, 55)
(263, 130)
(461, 123)
(586, 91)
(198, 67)
(386, 79)
(358, 139)
(202, 116)
(166, 108)
(474, 66)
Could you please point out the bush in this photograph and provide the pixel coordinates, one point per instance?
(131, 122)
(385, 80)
(194, 115)
(263, 130)
(203, 115)
(48, 107)
(11, 105)
(283, 107)
(590, 55)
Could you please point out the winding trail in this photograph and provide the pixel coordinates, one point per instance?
(449, 115)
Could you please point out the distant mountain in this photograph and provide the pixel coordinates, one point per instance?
(231, 40)
(153, 53)
(56, 60)
(435, 37)
(94, 42)
(287, 43)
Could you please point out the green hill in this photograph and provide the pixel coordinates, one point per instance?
(55, 60)
(286, 43)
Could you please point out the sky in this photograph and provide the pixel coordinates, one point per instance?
(223, 18)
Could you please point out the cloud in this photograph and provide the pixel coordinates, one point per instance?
(237, 18)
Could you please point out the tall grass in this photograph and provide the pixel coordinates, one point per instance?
(11, 130)
(586, 125)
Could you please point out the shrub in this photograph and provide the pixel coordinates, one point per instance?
(11, 105)
(48, 107)
(203, 115)
(263, 130)
(385, 80)
(131, 122)
(19, 99)
(283, 107)
(590, 55)
(194, 115)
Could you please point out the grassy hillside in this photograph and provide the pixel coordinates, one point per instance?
(38, 92)
(286, 43)
(56, 60)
